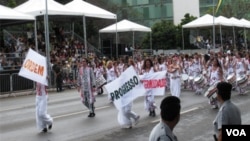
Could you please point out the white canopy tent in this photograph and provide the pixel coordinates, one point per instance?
(9, 16)
(88, 10)
(127, 26)
(38, 7)
(245, 22)
(44, 7)
(204, 21)
(208, 21)
(7, 13)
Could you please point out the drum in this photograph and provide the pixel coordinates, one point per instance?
(199, 79)
(248, 73)
(190, 78)
(100, 81)
(204, 72)
(184, 77)
(241, 80)
(231, 79)
(211, 91)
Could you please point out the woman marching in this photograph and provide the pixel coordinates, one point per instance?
(86, 83)
(240, 69)
(43, 120)
(111, 73)
(149, 102)
(126, 117)
(216, 76)
(175, 71)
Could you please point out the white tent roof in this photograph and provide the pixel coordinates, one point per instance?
(89, 10)
(221, 20)
(245, 22)
(38, 7)
(124, 26)
(206, 20)
(236, 22)
(7, 13)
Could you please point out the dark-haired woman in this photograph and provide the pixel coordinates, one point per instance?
(150, 105)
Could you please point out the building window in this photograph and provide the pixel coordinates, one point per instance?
(146, 13)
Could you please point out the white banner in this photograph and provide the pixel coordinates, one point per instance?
(126, 88)
(34, 67)
(155, 82)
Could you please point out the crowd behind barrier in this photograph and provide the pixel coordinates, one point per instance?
(66, 49)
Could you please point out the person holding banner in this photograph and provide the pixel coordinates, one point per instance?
(43, 120)
(112, 73)
(149, 102)
(126, 116)
(86, 86)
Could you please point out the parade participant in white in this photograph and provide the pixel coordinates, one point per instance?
(123, 91)
(174, 71)
(126, 116)
(111, 73)
(240, 69)
(149, 101)
(216, 75)
(43, 120)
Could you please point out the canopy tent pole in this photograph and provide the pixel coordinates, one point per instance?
(151, 41)
(245, 36)
(221, 39)
(182, 32)
(73, 30)
(234, 38)
(85, 38)
(99, 41)
(116, 39)
(35, 34)
(133, 39)
(213, 27)
(46, 24)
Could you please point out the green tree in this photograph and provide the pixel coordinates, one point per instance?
(163, 36)
(12, 3)
(187, 18)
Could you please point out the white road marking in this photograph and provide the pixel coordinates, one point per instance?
(189, 110)
(76, 113)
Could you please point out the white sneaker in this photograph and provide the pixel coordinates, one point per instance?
(137, 120)
(128, 126)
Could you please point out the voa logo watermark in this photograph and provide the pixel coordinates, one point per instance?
(236, 132)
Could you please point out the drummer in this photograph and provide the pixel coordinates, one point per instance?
(247, 62)
(229, 65)
(185, 68)
(194, 71)
(240, 69)
(216, 75)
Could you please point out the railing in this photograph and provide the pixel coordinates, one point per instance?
(10, 82)
(91, 48)
(9, 39)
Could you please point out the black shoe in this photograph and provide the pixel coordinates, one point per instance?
(153, 113)
(91, 115)
(150, 113)
(44, 130)
(50, 126)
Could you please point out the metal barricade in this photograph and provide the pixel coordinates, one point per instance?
(11, 82)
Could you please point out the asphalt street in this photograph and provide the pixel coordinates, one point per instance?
(17, 116)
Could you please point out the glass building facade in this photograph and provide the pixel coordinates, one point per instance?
(207, 5)
(148, 11)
